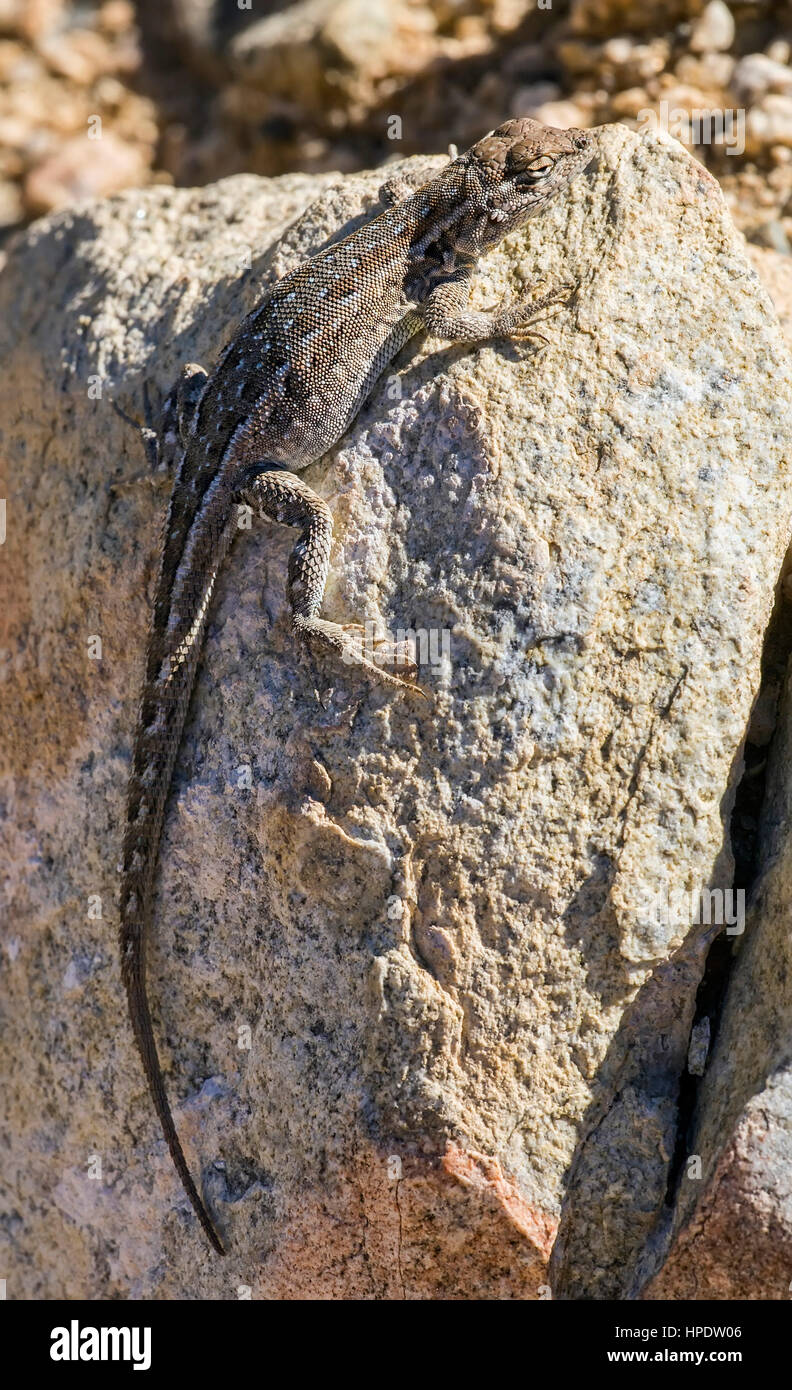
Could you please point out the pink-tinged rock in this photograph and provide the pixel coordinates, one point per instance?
(84, 168)
(738, 1242)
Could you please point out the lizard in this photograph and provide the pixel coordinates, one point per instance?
(284, 390)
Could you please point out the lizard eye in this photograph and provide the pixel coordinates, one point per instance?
(537, 169)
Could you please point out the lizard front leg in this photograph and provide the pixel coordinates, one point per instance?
(187, 392)
(286, 498)
(445, 313)
(400, 185)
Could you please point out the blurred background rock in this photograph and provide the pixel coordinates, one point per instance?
(95, 97)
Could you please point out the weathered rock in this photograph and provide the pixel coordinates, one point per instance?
(710, 72)
(733, 1237)
(772, 235)
(84, 168)
(29, 18)
(775, 272)
(407, 968)
(561, 114)
(733, 1230)
(314, 50)
(10, 203)
(768, 123)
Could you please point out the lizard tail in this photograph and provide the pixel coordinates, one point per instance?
(171, 662)
(144, 1033)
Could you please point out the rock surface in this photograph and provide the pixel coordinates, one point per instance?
(733, 1236)
(775, 272)
(733, 1228)
(422, 1023)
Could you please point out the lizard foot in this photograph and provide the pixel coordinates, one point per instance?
(395, 656)
(399, 668)
(148, 435)
(527, 311)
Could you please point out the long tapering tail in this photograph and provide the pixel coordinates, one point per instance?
(133, 967)
(196, 536)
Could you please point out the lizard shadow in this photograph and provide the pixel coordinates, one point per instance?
(438, 361)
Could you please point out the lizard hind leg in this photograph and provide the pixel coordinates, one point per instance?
(177, 413)
(285, 497)
(188, 391)
(164, 443)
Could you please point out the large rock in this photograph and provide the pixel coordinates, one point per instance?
(421, 1017)
(732, 1236)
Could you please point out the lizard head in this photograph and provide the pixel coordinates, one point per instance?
(513, 173)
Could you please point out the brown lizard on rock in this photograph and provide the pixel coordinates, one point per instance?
(287, 386)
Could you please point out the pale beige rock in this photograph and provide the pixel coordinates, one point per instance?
(779, 51)
(768, 123)
(561, 114)
(417, 1009)
(29, 18)
(320, 52)
(733, 1236)
(617, 63)
(713, 31)
(707, 71)
(630, 103)
(599, 17)
(775, 271)
(11, 210)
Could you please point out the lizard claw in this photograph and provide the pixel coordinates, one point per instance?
(528, 311)
(149, 437)
(398, 658)
(532, 333)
